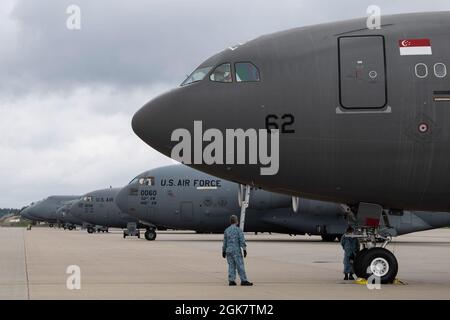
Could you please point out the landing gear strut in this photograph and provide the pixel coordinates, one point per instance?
(244, 205)
(373, 260)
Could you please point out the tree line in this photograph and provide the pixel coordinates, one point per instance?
(5, 211)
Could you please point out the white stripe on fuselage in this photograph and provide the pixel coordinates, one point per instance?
(206, 188)
(415, 51)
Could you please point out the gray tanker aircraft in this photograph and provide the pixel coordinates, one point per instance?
(362, 117)
(45, 210)
(98, 208)
(28, 216)
(178, 197)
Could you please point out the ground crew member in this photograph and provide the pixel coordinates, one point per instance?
(233, 241)
(351, 248)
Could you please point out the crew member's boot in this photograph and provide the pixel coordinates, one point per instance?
(231, 283)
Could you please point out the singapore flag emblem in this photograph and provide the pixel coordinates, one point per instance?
(415, 47)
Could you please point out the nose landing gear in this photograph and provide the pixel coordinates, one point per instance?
(150, 234)
(373, 260)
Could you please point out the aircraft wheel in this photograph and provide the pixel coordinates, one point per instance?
(70, 228)
(90, 230)
(329, 237)
(357, 263)
(51, 225)
(150, 235)
(379, 262)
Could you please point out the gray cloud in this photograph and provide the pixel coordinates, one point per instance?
(51, 149)
(67, 97)
(140, 42)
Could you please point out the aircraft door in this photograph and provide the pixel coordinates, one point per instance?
(102, 210)
(151, 212)
(123, 215)
(187, 211)
(362, 72)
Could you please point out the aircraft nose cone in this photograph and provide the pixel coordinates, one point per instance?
(154, 122)
(26, 213)
(139, 121)
(122, 199)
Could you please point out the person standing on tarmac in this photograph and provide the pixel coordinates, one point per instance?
(351, 248)
(233, 242)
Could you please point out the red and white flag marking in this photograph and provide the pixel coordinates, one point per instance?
(415, 47)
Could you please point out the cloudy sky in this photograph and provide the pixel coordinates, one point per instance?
(67, 97)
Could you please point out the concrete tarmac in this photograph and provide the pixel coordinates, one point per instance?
(181, 265)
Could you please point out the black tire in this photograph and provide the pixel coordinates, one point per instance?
(51, 225)
(329, 237)
(386, 260)
(90, 230)
(150, 235)
(70, 228)
(357, 263)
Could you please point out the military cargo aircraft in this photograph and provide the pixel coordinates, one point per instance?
(26, 214)
(68, 220)
(98, 208)
(45, 210)
(359, 116)
(178, 197)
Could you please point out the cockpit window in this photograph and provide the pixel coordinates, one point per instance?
(135, 180)
(88, 198)
(246, 72)
(147, 181)
(198, 75)
(222, 73)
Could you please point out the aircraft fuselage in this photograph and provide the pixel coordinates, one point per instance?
(363, 114)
